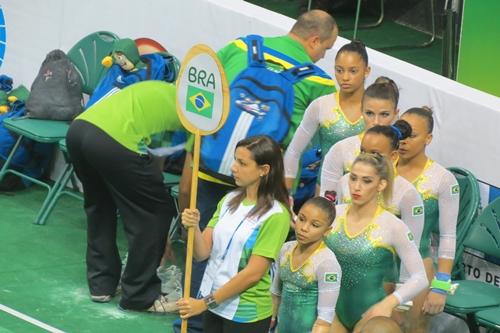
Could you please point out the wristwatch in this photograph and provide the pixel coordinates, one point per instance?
(210, 301)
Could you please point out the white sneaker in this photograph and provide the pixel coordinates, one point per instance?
(101, 298)
(163, 306)
(171, 282)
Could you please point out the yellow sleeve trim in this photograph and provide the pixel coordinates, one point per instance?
(212, 179)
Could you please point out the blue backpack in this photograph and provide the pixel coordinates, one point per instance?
(306, 188)
(31, 158)
(7, 139)
(261, 103)
(159, 66)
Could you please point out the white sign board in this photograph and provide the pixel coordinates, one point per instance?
(202, 92)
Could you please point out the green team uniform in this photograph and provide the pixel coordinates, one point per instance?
(313, 287)
(234, 59)
(325, 118)
(236, 237)
(440, 193)
(136, 113)
(365, 258)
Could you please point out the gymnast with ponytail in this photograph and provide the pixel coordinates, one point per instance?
(365, 238)
(306, 284)
(379, 107)
(440, 193)
(406, 202)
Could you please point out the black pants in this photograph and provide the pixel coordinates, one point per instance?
(117, 179)
(213, 323)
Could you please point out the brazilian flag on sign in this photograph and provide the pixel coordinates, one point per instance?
(200, 101)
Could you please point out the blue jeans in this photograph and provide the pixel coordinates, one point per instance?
(209, 195)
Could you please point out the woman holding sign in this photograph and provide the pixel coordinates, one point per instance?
(241, 240)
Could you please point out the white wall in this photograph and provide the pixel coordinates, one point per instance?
(467, 121)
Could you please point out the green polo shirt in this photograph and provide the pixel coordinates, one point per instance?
(134, 114)
(234, 59)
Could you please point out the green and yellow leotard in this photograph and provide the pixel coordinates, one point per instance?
(364, 259)
(440, 193)
(324, 116)
(308, 292)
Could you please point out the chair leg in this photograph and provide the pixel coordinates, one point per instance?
(433, 27)
(379, 20)
(74, 182)
(53, 195)
(75, 188)
(175, 224)
(5, 168)
(174, 227)
(356, 20)
(358, 26)
(6, 164)
(471, 323)
(424, 44)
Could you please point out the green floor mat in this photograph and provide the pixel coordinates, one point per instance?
(42, 272)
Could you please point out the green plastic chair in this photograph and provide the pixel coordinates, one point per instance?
(489, 318)
(467, 213)
(171, 182)
(176, 222)
(474, 296)
(379, 21)
(44, 131)
(358, 10)
(86, 55)
(60, 187)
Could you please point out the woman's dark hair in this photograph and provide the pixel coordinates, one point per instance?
(355, 46)
(326, 206)
(424, 112)
(383, 88)
(395, 133)
(272, 186)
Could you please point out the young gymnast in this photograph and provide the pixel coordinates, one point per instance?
(365, 238)
(335, 116)
(440, 193)
(307, 280)
(406, 202)
(379, 108)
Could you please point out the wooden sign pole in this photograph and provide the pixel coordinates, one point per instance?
(190, 235)
(202, 106)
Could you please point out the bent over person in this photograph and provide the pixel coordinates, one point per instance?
(108, 147)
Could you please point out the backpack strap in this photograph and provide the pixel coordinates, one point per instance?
(297, 73)
(255, 50)
(171, 67)
(148, 64)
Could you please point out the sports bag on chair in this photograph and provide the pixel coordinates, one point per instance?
(159, 66)
(262, 102)
(56, 93)
(31, 158)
